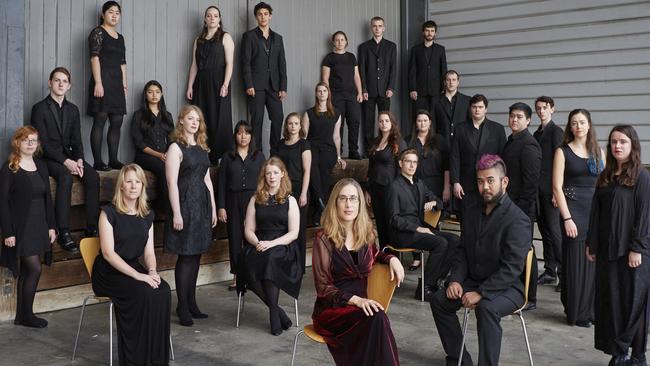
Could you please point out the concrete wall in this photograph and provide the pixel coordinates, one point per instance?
(584, 53)
(159, 37)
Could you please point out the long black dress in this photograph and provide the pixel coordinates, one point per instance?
(196, 206)
(620, 223)
(141, 312)
(577, 278)
(211, 63)
(291, 155)
(112, 55)
(278, 264)
(323, 151)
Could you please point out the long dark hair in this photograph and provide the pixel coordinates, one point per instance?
(107, 5)
(630, 169)
(246, 127)
(147, 116)
(592, 142)
(394, 136)
(204, 31)
(430, 144)
(330, 107)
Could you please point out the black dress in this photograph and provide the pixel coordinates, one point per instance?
(291, 155)
(620, 223)
(112, 55)
(577, 277)
(35, 240)
(141, 312)
(196, 206)
(278, 264)
(323, 151)
(211, 64)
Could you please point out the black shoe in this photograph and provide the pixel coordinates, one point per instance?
(276, 324)
(546, 278)
(101, 167)
(91, 233)
(32, 322)
(285, 321)
(532, 305)
(66, 242)
(196, 313)
(619, 360)
(184, 319)
(117, 165)
(353, 155)
(584, 324)
(413, 267)
(638, 361)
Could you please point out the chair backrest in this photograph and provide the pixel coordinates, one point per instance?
(432, 217)
(89, 248)
(380, 287)
(528, 269)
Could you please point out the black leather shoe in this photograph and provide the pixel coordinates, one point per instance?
(585, 324)
(619, 360)
(546, 278)
(66, 242)
(91, 233)
(530, 306)
(117, 165)
(638, 361)
(101, 167)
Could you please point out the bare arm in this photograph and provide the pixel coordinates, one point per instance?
(337, 137)
(149, 253)
(125, 84)
(306, 171)
(558, 182)
(96, 70)
(357, 84)
(172, 166)
(325, 75)
(193, 71)
(208, 183)
(229, 49)
(249, 223)
(305, 123)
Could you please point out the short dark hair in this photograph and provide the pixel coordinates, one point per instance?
(489, 161)
(62, 70)
(478, 98)
(429, 24)
(377, 18)
(545, 99)
(449, 72)
(519, 106)
(409, 151)
(341, 33)
(262, 5)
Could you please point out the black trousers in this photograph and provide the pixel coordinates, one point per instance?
(236, 204)
(548, 221)
(440, 245)
(63, 179)
(296, 188)
(157, 167)
(378, 203)
(351, 114)
(488, 318)
(323, 159)
(427, 103)
(256, 104)
(369, 122)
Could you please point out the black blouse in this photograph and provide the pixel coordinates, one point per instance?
(111, 51)
(382, 165)
(341, 79)
(291, 155)
(237, 175)
(321, 127)
(155, 136)
(432, 162)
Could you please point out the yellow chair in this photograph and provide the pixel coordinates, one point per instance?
(432, 217)
(528, 269)
(89, 248)
(380, 288)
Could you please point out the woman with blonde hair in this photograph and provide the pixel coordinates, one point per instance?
(356, 329)
(141, 298)
(270, 262)
(28, 225)
(191, 197)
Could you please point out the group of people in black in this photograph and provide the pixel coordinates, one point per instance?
(592, 207)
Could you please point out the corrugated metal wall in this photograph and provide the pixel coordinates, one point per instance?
(159, 37)
(592, 54)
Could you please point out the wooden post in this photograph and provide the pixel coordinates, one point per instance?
(7, 295)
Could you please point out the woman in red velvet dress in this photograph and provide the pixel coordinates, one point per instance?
(356, 328)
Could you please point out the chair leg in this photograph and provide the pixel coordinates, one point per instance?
(462, 344)
(239, 307)
(422, 269)
(295, 303)
(110, 332)
(295, 345)
(81, 319)
(171, 348)
(523, 327)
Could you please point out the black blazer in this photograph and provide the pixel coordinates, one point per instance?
(405, 210)
(523, 158)
(491, 256)
(382, 165)
(15, 202)
(259, 67)
(377, 67)
(60, 138)
(445, 120)
(549, 139)
(464, 154)
(425, 73)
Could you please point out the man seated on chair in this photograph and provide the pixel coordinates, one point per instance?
(486, 268)
(408, 199)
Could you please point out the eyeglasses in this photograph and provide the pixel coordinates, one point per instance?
(30, 141)
(344, 199)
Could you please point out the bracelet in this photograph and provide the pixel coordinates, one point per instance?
(567, 219)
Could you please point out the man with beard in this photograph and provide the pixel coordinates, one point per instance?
(427, 65)
(486, 269)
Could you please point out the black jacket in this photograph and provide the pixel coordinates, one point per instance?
(237, 175)
(377, 67)
(549, 139)
(425, 73)
(145, 137)
(405, 210)
(464, 154)
(445, 119)
(60, 138)
(492, 249)
(260, 68)
(523, 157)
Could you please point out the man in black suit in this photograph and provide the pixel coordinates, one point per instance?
(59, 129)
(264, 70)
(427, 65)
(523, 157)
(486, 269)
(378, 71)
(452, 108)
(472, 139)
(549, 136)
(408, 199)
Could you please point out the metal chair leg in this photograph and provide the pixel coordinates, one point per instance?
(171, 348)
(110, 331)
(81, 319)
(295, 303)
(462, 344)
(295, 345)
(422, 269)
(239, 307)
(523, 327)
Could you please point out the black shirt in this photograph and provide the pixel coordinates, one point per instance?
(156, 136)
(475, 133)
(341, 79)
(321, 127)
(291, 155)
(237, 175)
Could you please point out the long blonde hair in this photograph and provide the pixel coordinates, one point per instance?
(262, 194)
(364, 233)
(21, 134)
(142, 207)
(200, 135)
